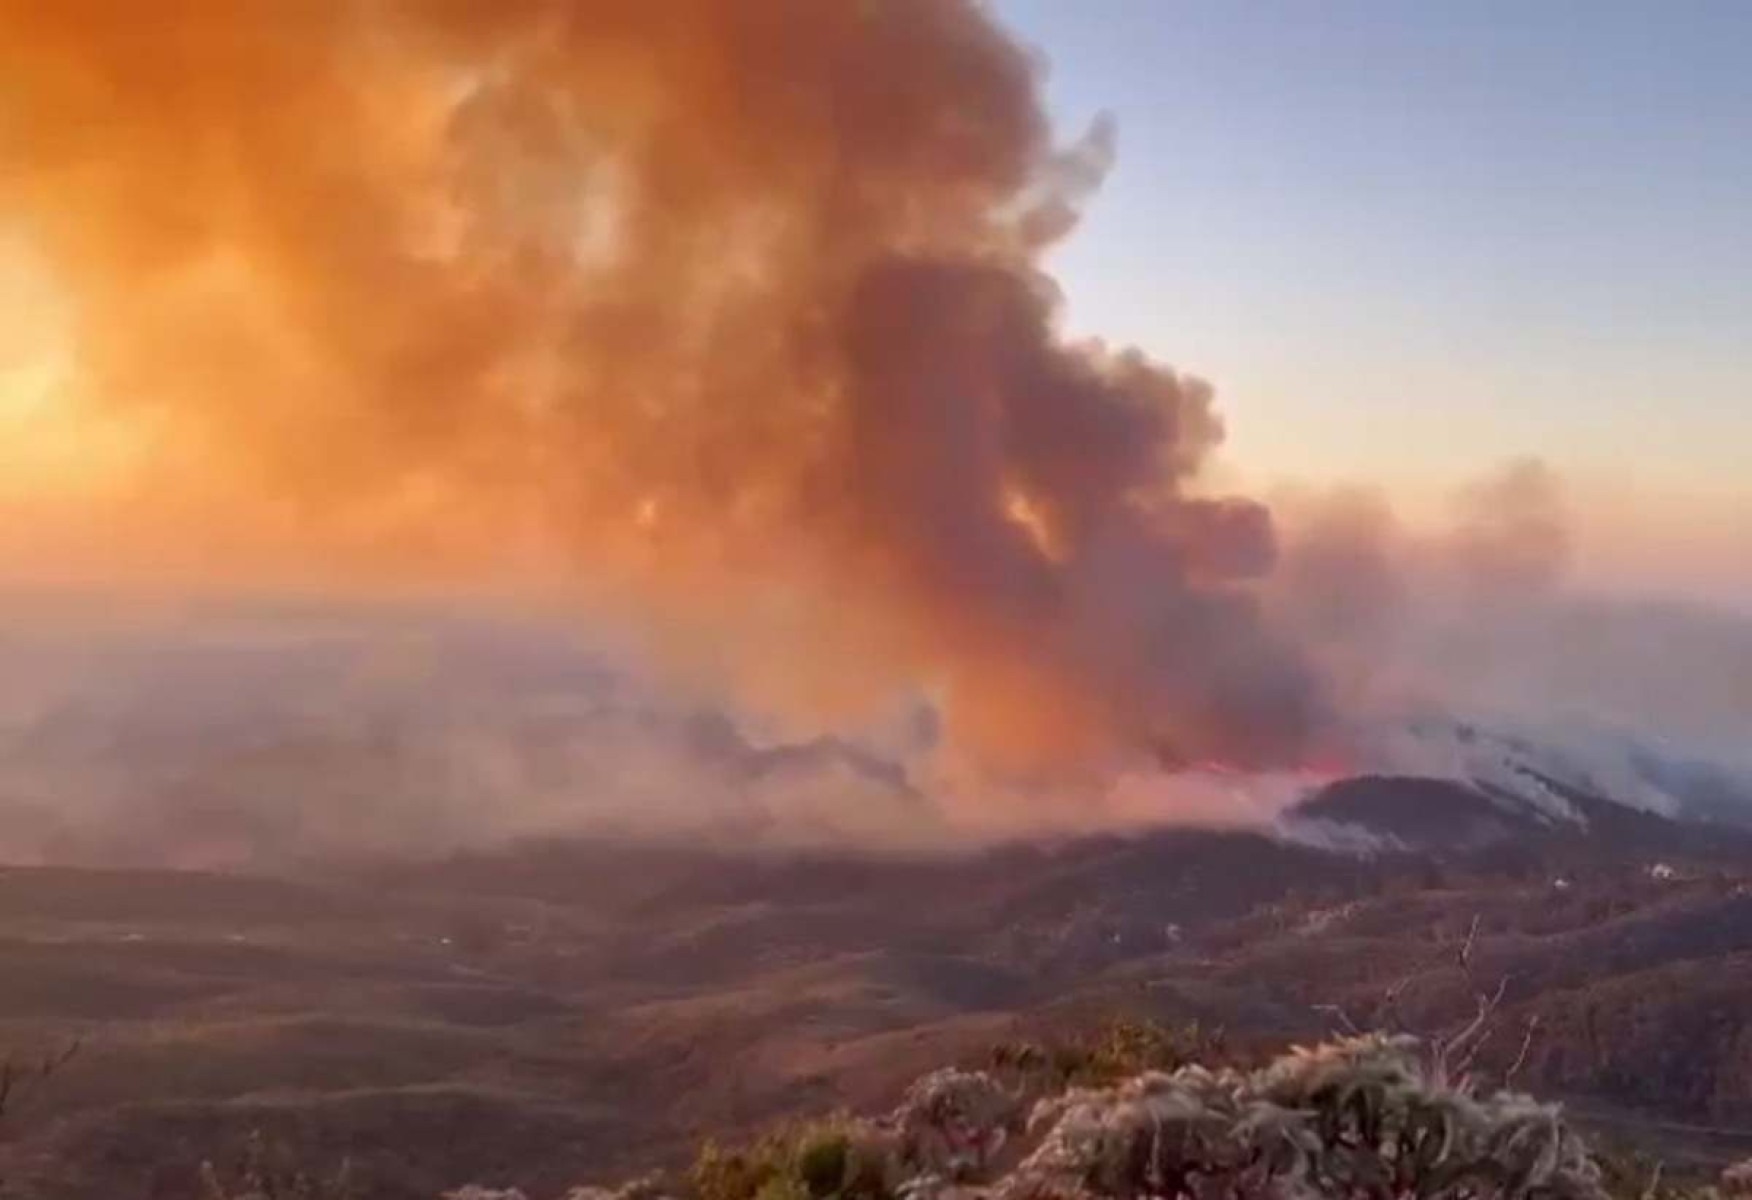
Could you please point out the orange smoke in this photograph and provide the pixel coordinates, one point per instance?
(733, 305)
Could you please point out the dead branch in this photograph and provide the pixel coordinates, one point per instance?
(1464, 957)
(1521, 1055)
(1345, 1024)
(1456, 1054)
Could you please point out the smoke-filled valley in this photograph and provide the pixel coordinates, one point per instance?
(579, 1007)
(279, 735)
(465, 894)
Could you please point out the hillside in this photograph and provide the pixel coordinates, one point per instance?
(573, 1009)
(1358, 1117)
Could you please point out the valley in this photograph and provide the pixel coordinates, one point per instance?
(565, 1010)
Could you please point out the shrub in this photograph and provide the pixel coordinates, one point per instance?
(720, 1174)
(1120, 1048)
(783, 1187)
(1358, 1118)
(824, 1163)
(1363, 1118)
(273, 1173)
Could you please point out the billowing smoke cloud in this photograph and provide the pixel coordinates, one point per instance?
(1513, 531)
(1385, 607)
(1479, 617)
(277, 735)
(732, 305)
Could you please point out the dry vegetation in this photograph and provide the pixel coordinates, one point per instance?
(564, 1014)
(1366, 1117)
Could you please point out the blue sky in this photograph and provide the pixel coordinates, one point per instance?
(1407, 240)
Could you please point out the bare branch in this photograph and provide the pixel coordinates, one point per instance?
(1390, 998)
(1521, 1055)
(1460, 956)
(1465, 955)
(1345, 1024)
(1455, 1055)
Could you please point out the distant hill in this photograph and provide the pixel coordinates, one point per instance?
(564, 1010)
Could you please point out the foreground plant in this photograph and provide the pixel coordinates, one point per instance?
(1363, 1118)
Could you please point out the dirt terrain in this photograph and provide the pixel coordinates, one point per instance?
(566, 1011)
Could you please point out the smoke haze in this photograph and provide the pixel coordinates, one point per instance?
(1481, 617)
(724, 321)
(732, 309)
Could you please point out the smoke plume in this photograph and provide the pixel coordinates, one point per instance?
(734, 306)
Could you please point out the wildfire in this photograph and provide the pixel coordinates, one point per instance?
(764, 277)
